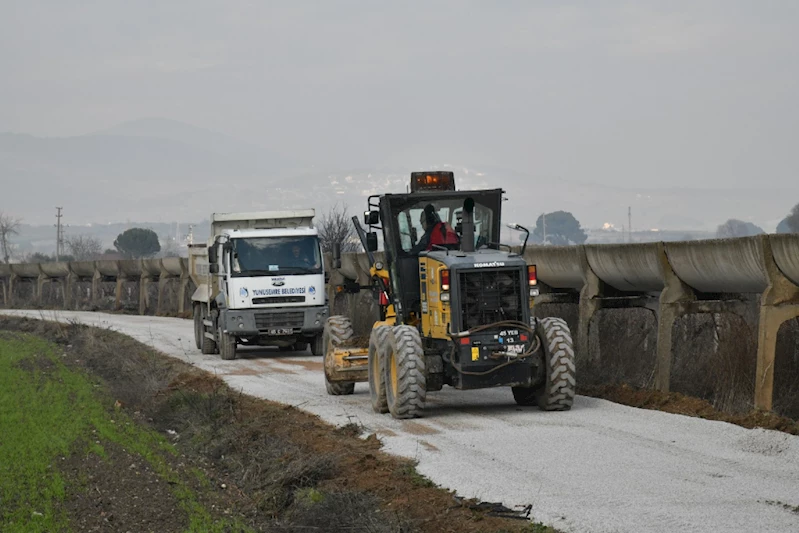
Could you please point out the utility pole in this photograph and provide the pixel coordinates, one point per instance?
(59, 236)
(630, 222)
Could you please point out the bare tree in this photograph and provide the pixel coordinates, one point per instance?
(84, 247)
(9, 226)
(336, 226)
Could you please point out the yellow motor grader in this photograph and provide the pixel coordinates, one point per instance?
(455, 306)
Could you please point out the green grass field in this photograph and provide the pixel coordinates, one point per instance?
(49, 412)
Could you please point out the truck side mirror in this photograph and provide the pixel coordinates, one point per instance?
(213, 268)
(336, 255)
(213, 258)
(371, 241)
(371, 218)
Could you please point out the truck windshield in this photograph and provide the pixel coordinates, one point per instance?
(273, 256)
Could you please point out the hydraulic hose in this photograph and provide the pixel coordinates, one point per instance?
(534, 346)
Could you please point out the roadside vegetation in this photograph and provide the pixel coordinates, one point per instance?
(100, 433)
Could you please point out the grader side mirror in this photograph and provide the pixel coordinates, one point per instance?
(370, 218)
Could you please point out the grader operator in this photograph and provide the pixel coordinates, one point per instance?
(455, 307)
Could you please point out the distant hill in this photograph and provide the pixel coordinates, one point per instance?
(162, 170)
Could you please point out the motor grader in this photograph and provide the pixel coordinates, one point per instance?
(455, 306)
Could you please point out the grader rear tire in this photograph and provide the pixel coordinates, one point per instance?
(338, 332)
(557, 392)
(378, 341)
(405, 375)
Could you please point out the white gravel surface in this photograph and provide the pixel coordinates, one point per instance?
(600, 467)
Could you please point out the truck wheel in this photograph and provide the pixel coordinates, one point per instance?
(404, 373)
(199, 329)
(338, 332)
(557, 391)
(318, 345)
(378, 341)
(227, 345)
(300, 346)
(208, 346)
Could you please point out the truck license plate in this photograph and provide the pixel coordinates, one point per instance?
(282, 331)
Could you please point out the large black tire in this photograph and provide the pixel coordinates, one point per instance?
(318, 345)
(405, 375)
(378, 346)
(227, 345)
(557, 391)
(208, 346)
(199, 329)
(338, 332)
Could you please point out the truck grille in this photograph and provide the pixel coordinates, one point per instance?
(286, 319)
(278, 300)
(489, 296)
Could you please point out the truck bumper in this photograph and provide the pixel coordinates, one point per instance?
(306, 321)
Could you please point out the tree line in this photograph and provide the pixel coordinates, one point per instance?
(134, 243)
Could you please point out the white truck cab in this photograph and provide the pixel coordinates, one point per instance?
(260, 281)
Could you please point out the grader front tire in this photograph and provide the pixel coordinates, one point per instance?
(338, 332)
(378, 345)
(558, 391)
(405, 375)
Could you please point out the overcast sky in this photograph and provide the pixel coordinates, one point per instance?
(695, 93)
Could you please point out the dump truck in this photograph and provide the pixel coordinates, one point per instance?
(455, 306)
(260, 281)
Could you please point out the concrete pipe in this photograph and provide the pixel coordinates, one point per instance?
(151, 267)
(786, 254)
(173, 266)
(55, 270)
(720, 265)
(83, 269)
(557, 266)
(108, 268)
(26, 270)
(627, 267)
(131, 268)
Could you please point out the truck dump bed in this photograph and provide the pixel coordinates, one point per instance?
(261, 220)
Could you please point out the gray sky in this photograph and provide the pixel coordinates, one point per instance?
(699, 93)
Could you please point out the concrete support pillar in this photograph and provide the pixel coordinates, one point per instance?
(38, 295)
(4, 283)
(589, 305)
(676, 295)
(162, 283)
(120, 285)
(144, 296)
(12, 281)
(69, 292)
(779, 302)
(97, 278)
(184, 284)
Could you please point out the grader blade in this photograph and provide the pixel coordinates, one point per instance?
(347, 364)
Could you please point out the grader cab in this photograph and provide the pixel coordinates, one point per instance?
(455, 307)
